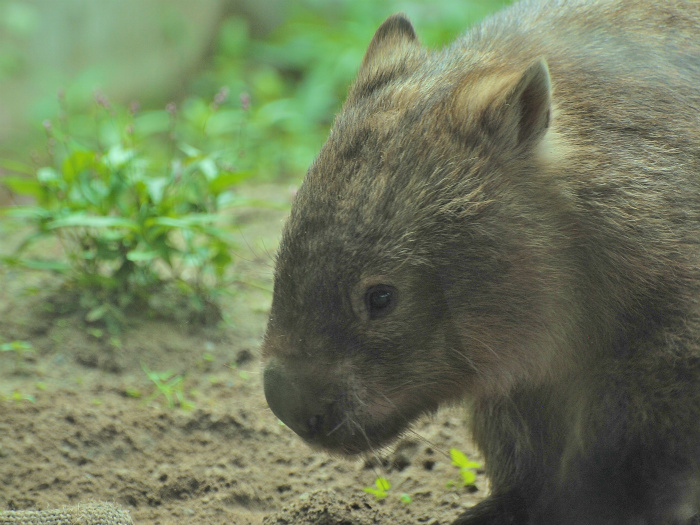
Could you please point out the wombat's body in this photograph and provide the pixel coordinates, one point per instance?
(514, 220)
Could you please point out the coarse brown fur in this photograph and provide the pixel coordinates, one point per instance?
(513, 220)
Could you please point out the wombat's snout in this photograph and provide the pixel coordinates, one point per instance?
(295, 405)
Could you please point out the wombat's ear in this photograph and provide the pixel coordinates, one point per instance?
(390, 40)
(387, 52)
(531, 103)
(514, 109)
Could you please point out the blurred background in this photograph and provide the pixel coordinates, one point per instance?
(264, 77)
(149, 151)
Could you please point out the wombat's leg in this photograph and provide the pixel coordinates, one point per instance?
(505, 509)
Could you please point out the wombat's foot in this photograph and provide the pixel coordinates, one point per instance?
(506, 509)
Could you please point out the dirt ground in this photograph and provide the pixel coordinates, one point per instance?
(80, 420)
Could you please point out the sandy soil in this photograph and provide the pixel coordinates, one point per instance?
(80, 420)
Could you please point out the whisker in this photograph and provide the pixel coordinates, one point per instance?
(484, 345)
(343, 422)
(467, 360)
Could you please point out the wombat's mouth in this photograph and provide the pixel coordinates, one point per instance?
(328, 416)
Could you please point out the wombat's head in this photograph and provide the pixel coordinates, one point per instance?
(407, 274)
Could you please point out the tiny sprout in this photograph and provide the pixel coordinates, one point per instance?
(382, 489)
(19, 348)
(133, 392)
(466, 467)
(405, 498)
(18, 396)
(169, 385)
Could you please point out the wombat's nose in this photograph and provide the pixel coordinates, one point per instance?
(304, 414)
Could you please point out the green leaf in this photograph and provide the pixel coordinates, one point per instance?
(151, 122)
(118, 156)
(221, 260)
(16, 167)
(97, 313)
(18, 396)
(26, 212)
(191, 152)
(141, 255)
(188, 221)
(133, 392)
(209, 168)
(37, 264)
(48, 176)
(459, 458)
(468, 477)
(16, 346)
(77, 162)
(91, 221)
(382, 484)
(156, 188)
(23, 185)
(226, 179)
(378, 494)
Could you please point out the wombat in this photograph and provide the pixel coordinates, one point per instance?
(515, 221)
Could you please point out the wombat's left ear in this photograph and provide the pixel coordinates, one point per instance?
(386, 55)
(515, 109)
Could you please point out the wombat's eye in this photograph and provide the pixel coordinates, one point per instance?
(380, 300)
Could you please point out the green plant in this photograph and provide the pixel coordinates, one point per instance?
(466, 466)
(168, 384)
(381, 490)
(382, 487)
(135, 206)
(20, 350)
(18, 397)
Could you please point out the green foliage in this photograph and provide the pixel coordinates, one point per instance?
(466, 466)
(292, 81)
(135, 205)
(297, 78)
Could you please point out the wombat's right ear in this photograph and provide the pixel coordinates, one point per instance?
(390, 41)
(387, 52)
